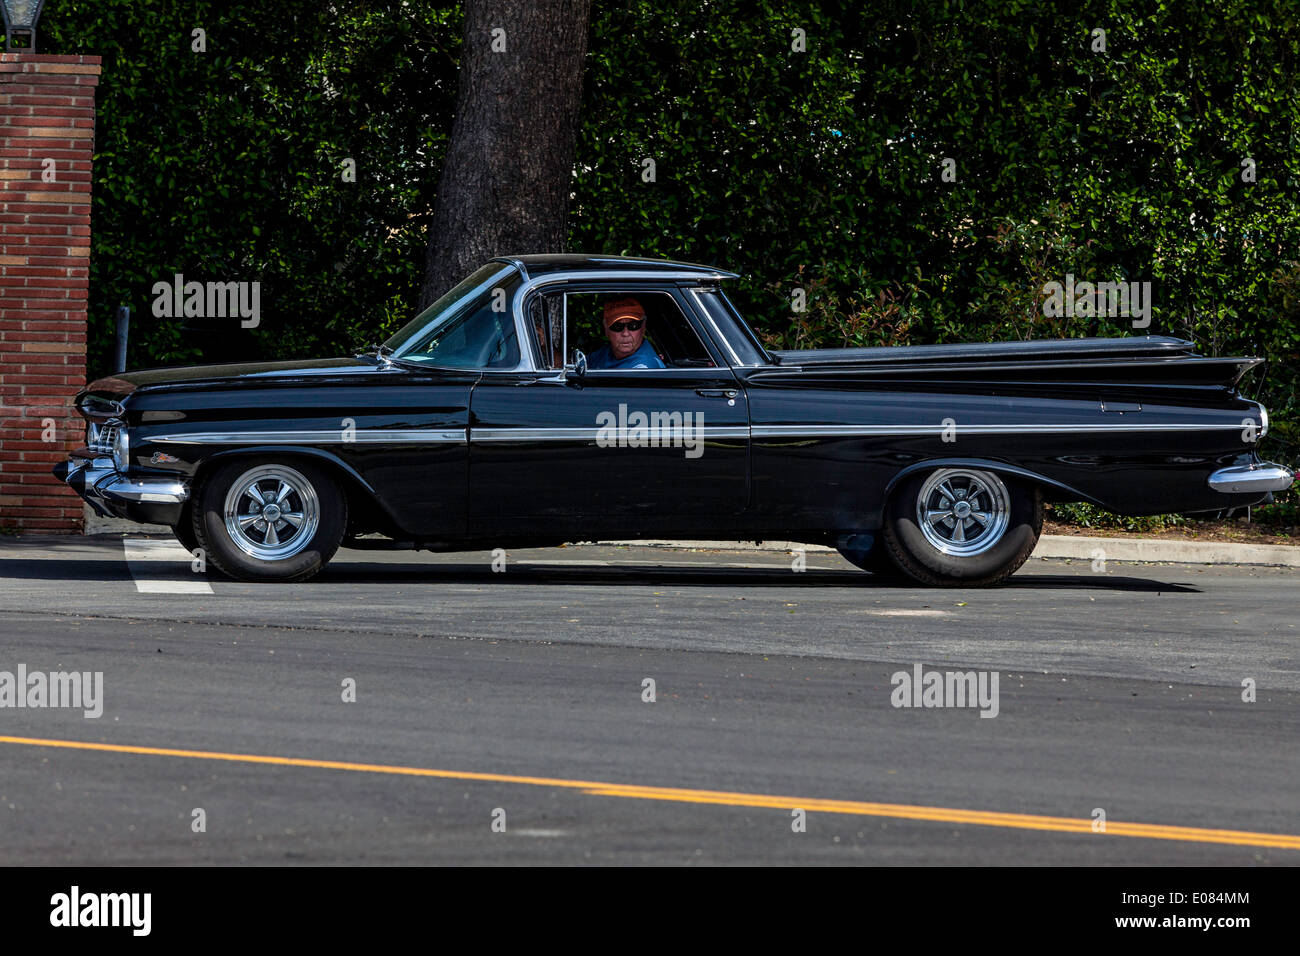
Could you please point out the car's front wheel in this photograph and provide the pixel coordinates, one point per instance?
(269, 520)
(962, 526)
(868, 552)
(184, 530)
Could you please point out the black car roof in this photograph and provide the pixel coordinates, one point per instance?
(535, 265)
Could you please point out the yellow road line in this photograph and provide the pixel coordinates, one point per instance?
(898, 811)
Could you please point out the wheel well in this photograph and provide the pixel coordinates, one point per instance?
(1050, 490)
(363, 512)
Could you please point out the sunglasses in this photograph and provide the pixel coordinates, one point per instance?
(622, 324)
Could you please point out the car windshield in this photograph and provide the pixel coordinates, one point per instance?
(472, 326)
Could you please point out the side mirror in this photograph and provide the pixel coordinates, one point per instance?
(579, 363)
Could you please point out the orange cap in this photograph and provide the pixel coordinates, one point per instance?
(623, 309)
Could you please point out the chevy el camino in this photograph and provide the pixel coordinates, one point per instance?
(482, 424)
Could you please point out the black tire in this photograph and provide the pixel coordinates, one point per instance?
(874, 559)
(1000, 553)
(322, 520)
(184, 530)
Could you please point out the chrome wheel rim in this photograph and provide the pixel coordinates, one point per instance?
(271, 512)
(963, 512)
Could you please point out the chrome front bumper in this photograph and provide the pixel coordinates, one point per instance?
(1248, 479)
(113, 494)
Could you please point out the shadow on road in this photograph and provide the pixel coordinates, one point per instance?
(752, 577)
(524, 573)
(64, 570)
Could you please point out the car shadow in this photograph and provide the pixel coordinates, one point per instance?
(27, 569)
(521, 572)
(524, 574)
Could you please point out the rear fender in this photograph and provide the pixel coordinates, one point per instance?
(1066, 492)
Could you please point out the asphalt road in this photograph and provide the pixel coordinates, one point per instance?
(500, 716)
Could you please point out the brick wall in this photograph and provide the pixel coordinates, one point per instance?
(47, 135)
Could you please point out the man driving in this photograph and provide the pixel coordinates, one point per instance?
(624, 323)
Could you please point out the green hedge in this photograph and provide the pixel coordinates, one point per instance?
(228, 164)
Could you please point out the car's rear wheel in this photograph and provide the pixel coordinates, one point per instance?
(962, 526)
(269, 520)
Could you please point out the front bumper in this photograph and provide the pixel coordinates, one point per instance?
(153, 500)
(1247, 479)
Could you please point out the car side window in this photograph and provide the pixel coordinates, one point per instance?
(546, 319)
(666, 329)
(723, 314)
(479, 332)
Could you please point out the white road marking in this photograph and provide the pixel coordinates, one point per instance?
(162, 567)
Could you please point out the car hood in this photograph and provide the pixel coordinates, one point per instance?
(103, 396)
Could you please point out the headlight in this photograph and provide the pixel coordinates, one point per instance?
(121, 450)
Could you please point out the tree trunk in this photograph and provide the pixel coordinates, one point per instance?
(506, 180)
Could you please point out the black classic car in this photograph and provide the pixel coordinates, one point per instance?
(481, 425)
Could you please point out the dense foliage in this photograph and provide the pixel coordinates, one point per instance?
(820, 169)
(228, 165)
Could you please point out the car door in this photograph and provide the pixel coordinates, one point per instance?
(419, 462)
(635, 451)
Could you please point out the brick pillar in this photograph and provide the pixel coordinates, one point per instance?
(47, 136)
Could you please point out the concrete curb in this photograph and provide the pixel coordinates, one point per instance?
(1062, 546)
(1172, 551)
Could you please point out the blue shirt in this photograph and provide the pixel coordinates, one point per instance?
(644, 357)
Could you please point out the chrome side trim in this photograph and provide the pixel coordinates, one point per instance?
(534, 434)
(591, 433)
(854, 431)
(459, 435)
(311, 436)
(1239, 479)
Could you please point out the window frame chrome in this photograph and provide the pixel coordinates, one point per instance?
(706, 316)
(717, 329)
(528, 357)
(666, 276)
(525, 363)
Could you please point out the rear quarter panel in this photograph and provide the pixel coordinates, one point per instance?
(827, 448)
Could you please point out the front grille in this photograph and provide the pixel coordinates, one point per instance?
(100, 438)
